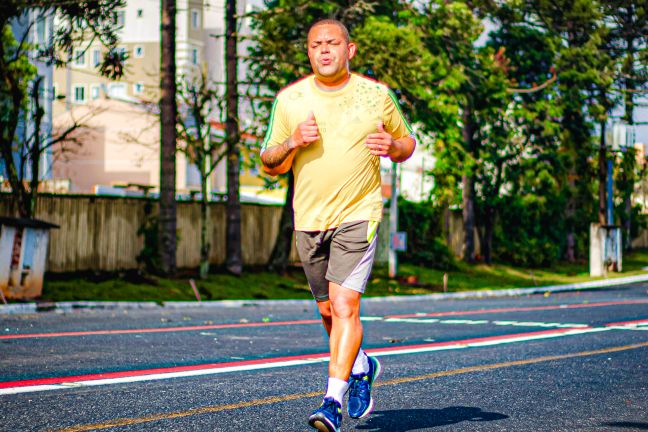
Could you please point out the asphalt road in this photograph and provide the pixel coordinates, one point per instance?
(565, 362)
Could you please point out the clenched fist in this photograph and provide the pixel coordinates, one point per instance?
(380, 143)
(306, 132)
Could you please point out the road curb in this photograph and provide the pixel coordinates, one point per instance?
(61, 307)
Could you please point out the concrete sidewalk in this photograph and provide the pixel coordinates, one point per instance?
(26, 308)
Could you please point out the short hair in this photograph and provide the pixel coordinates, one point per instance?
(331, 21)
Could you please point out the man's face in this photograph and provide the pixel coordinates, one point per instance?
(329, 53)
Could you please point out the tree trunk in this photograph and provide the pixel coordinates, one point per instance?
(35, 150)
(234, 261)
(487, 241)
(602, 176)
(469, 217)
(204, 244)
(468, 195)
(571, 120)
(278, 261)
(168, 114)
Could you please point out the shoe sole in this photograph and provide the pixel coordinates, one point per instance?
(322, 427)
(371, 401)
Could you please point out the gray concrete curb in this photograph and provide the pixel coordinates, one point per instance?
(60, 307)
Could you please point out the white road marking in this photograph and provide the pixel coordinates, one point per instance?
(478, 322)
(391, 351)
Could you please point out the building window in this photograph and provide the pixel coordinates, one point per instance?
(194, 56)
(140, 13)
(94, 92)
(139, 51)
(120, 18)
(79, 94)
(96, 57)
(79, 57)
(138, 88)
(117, 90)
(195, 19)
(41, 30)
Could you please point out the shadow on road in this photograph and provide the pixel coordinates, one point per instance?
(414, 419)
(633, 425)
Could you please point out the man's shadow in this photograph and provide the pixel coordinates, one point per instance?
(414, 419)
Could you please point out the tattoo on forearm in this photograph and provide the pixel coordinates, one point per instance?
(275, 156)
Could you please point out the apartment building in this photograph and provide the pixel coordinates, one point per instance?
(139, 21)
(80, 89)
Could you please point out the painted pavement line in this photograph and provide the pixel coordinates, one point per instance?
(120, 422)
(521, 309)
(314, 321)
(109, 378)
(157, 329)
(640, 322)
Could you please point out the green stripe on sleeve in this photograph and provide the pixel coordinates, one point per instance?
(395, 100)
(264, 146)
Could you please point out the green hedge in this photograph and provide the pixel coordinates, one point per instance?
(425, 244)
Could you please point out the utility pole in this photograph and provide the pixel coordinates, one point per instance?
(610, 191)
(393, 222)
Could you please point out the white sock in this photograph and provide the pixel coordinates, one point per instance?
(336, 389)
(361, 364)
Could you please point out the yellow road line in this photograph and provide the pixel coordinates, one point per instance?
(277, 399)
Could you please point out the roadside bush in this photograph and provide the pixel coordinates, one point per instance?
(425, 245)
(528, 232)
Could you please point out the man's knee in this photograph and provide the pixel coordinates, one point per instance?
(344, 307)
(325, 309)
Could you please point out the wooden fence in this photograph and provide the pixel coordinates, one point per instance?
(101, 233)
(641, 242)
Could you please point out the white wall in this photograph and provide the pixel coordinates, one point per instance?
(144, 29)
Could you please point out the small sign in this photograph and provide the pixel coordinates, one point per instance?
(399, 241)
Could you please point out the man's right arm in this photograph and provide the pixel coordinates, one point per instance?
(278, 159)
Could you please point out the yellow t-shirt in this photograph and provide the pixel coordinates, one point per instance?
(337, 180)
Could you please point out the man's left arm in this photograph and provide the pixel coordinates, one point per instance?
(401, 149)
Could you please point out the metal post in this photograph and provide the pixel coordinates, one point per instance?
(610, 210)
(393, 222)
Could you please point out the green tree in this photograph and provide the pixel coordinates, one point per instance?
(79, 23)
(583, 69)
(529, 206)
(200, 101)
(476, 85)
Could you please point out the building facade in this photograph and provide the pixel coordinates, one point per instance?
(199, 47)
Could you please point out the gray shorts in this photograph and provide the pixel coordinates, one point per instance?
(342, 255)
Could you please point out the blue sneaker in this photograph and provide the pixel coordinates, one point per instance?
(328, 417)
(360, 401)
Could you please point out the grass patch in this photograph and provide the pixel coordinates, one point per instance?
(255, 284)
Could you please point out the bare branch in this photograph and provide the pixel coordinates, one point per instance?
(534, 88)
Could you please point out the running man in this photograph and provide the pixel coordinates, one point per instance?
(331, 128)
